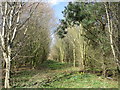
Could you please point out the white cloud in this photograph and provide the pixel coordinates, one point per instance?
(55, 2)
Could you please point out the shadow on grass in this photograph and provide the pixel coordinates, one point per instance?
(54, 65)
(22, 77)
(50, 76)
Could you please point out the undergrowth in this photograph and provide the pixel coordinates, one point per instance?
(59, 75)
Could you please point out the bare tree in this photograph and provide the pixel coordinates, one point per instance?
(111, 32)
(37, 39)
(12, 22)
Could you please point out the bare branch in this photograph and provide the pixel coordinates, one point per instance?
(31, 12)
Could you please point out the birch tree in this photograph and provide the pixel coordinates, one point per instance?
(111, 33)
(12, 22)
(35, 49)
(75, 36)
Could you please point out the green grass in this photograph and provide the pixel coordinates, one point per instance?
(21, 78)
(81, 80)
(59, 75)
(54, 65)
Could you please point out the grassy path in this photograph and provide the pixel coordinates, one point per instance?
(57, 75)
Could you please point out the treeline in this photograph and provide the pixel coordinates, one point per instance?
(88, 38)
(25, 36)
(33, 47)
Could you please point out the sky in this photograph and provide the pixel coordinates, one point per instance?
(58, 6)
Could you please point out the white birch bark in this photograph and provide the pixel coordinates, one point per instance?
(81, 45)
(110, 30)
(5, 47)
(74, 56)
(9, 28)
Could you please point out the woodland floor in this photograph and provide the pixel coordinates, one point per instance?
(59, 75)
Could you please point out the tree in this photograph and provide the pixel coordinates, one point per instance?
(73, 14)
(112, 31)
(95, 24)
(74, 35)
(35, 49)
(11, 13)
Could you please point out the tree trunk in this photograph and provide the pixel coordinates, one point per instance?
(7, 58)
(74, 56)
(74, 51)
(61, 55)
(110, 29)
(7, 70)
(7, 76)
(1, 62)
(82, 51)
